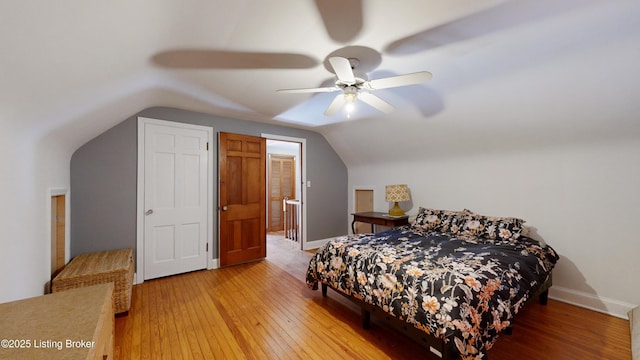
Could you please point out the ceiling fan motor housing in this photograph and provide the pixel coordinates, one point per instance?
(360, 79)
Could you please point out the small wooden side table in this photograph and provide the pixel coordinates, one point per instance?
(378, 218)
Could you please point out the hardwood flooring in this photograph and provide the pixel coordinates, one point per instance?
(264, 310)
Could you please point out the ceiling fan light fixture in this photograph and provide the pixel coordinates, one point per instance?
(350, 96)
(349, 107)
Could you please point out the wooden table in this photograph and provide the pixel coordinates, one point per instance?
(378, 218)
(73, 324)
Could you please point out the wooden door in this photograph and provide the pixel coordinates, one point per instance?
(282, 175)
(175, 198)
(242, 198)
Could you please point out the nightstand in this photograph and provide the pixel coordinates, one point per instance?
(378, 218)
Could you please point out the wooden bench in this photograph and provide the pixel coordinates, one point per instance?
(114, 266)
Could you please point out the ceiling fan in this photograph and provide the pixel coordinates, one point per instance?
(355, 85)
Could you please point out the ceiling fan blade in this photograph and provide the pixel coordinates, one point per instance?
(400, 80)
(223, 59)
(309, 90)
(342, 68)
(376, 102)
(342, 19)
(337, 103)
(479, 19)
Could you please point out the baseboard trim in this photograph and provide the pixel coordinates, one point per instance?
(601, 304)
(315, 244)
(214, 264)
(634, 327)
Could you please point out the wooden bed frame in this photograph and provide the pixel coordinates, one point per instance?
(436, 346)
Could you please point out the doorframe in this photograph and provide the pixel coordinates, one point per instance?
(303, 179)
(142, 121)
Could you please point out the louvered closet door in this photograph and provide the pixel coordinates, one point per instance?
(281, 184)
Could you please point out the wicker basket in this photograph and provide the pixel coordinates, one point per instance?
(114, 266)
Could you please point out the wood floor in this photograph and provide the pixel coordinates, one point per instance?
(263, 310)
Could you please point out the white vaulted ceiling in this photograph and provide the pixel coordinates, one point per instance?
(518, 70)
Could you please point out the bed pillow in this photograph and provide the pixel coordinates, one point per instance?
(492, 227)
(446, 221)
(468, 224)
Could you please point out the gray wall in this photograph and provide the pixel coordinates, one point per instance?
(104, 170)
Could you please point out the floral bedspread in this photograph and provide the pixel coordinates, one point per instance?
(463, 290)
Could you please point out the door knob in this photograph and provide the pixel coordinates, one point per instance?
(149, 212)
(225, 208)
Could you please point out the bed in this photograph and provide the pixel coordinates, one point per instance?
(453, 279)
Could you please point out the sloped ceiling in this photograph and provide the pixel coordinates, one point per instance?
(506, 74)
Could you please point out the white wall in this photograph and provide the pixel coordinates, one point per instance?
(32, 166)
(35, 159)
(583, 200)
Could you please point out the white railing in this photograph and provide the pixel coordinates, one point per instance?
(291, 209)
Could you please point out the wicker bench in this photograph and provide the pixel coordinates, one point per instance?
(46, 323)
(115, 266)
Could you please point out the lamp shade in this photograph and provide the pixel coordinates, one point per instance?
(397, 193)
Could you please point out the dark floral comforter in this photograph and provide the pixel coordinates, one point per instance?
(463, 290)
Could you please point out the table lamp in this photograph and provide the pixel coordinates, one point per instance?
(396, 193)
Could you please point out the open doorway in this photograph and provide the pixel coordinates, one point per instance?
(285, 191)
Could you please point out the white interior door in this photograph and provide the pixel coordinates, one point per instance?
(175, 198)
